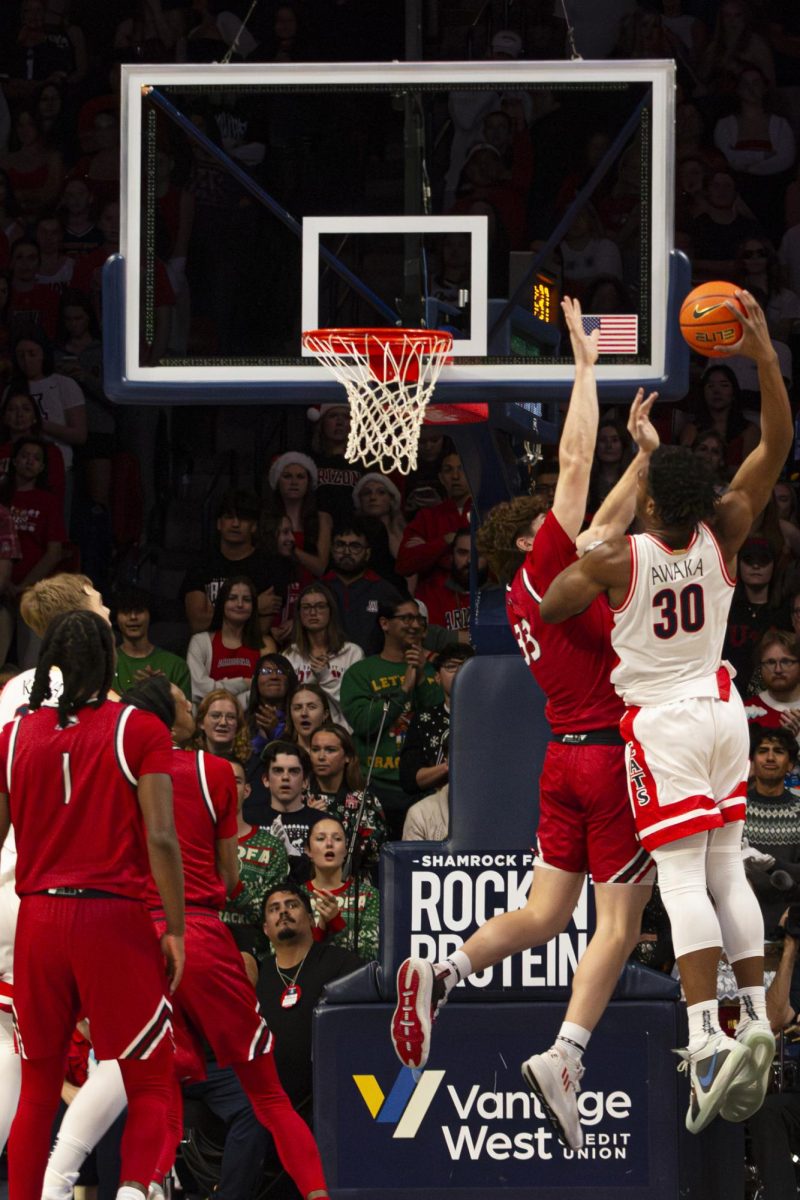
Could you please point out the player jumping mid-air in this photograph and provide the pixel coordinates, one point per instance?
(585, 822)
(670, 589)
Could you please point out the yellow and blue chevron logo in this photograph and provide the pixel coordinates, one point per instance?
(410, 1098)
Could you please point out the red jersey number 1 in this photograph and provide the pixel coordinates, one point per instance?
(66, 775)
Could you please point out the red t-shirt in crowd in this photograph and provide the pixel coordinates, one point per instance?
(447, 606)
(231, 664)
(572, 661)
(73, 798)
(55, 466)
(204, 801)
(38, 519)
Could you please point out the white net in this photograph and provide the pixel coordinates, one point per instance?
(389, 376)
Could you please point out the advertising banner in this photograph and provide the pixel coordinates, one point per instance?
(440, 896)
(467, 1124)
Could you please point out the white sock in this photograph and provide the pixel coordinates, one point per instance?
(703, 1022)
(572, 1041)
(453, 970)
(752, 1005)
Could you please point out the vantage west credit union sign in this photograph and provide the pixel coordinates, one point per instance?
(468, 1121)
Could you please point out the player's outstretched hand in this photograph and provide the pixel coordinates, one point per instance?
(755, 340)
(584, 345)
(173, 950)
(640, 427)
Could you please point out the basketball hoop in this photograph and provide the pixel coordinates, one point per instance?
(389, 375)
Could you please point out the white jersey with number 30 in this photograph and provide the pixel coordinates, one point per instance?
(669, 630)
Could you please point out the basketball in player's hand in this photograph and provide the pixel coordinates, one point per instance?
(707, 324)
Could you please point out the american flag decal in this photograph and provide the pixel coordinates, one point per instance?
(619, 333)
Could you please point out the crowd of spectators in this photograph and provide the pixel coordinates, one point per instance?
(323, 631)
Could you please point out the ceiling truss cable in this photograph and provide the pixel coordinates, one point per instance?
(573, 49)
(234, 46)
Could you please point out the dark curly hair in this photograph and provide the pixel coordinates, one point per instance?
(496, 538)
(681, 487)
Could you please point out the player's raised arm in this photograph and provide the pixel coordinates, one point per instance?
(617, 510)
(606, 568)
(752, 484)
(578, 437)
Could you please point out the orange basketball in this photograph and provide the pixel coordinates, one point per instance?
(706, 321)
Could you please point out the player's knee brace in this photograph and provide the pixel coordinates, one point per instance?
(738, 911)
(683, 887)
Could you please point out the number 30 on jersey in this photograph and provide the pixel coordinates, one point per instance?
(684, 610)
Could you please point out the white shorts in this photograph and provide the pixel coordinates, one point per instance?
(687, 764)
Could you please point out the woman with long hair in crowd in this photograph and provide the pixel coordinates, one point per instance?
(378, 505)
(39, 517)
(719, 407)
(293, 483)
(34, 168)
(612, 455)
(709, 446)
(20, 417)
(376, 497)
(278, 541)
(309, 707)
(319, 652)
(759, 146)
(227, 654)
(346, 909)
(61, 401)
(785, 495)
(337, 787)
(221, 726)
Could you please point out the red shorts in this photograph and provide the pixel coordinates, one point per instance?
(97, 958)
(585, 819)
(215, 999)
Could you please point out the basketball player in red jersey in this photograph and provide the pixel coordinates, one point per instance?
(216, 998)
(670, 590)
(585, 823)
(87, 787)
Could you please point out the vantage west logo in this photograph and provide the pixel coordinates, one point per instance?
(475, 1110)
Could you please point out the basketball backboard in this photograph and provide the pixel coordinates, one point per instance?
(417, 194)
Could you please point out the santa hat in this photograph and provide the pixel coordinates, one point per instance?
(318, 410)
(286, 460)
(376, 477)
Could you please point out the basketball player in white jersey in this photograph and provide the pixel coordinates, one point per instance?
(669, 590)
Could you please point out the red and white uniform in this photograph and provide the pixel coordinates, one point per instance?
(585, 822)
(215, 995)
(78, 825)
(685, 728)
(204, 806)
